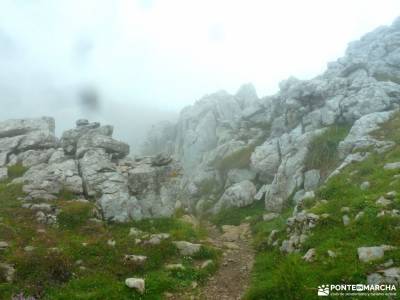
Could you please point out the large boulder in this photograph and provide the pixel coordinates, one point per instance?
(17, 127)
(35, 157)
(157, 188)
(21, 135)
(70, 138)
(103, 181)
(360, 138)
(48, 180)
(265, 160)
(239, 195)
(92, 141)
(238, 175)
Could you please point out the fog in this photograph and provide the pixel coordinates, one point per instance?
(132, 63)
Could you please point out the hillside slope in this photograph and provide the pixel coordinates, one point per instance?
(359, 207)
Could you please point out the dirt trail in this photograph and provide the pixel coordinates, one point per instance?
(233, 276)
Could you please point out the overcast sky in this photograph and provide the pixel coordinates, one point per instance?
(146, 59)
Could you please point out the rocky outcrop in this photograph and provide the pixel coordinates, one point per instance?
(238, 195)
(271, 136)
(88, 162)
(224, 148)
(20, 138)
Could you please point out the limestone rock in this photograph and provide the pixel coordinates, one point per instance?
(98, 141)
(265, 160)
(136, 283)
(310, 255)
(270, 216)
(15, 127)
(206, 264)
(156, 239)
(7, 271)
(187, 248)
(365, 185)
(238, 195)
(3, 173)
(346, 220)
(238, 175)
(137, 260)
(382, 201)
(175, 267)
(367, 254)
(392, 166)
(3, 245)
(359, 136)
(311, 180)
(70, 138)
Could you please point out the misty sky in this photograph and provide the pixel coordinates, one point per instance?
(146, 59)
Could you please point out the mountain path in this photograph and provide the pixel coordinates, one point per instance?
(233, 275)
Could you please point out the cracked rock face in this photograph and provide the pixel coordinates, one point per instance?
(228, 146)
(88, 162)
(270, 136)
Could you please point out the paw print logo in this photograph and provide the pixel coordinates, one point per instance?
(323, 290)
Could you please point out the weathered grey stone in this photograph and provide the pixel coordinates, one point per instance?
(71, 137)
(97, 141)
(8, 271)
(382, 201)
(3, 173)
(367, 254)
(156, 239)
(136, 283)
(238, 195)
(346, 220)
(238, 175)
(270, 216)
(52, 179)
(82, 122)
(187, 248)
(365, 185)
(392, 166)
(35, 157)
(265, 160)
(311, 180)
(206, 264)
(310, 255)
(3, 158)
(175, 267)
(359, 137)
(137, 260)
(16, 127)
(3, 245)
(160, 160)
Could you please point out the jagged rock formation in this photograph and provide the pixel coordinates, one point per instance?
(270, 137)
(233, 149)
(88, 162)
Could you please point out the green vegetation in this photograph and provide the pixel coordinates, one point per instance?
(74, 260)
(386, 77)
(16, 171)
(238, 159)
(322, 153)
(235, 215)
(280, 276)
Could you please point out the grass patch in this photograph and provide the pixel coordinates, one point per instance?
(238, 159)
(74, 214)
(280, 276)
(322, 151)
(16, 171)
(74, 260)
(236, 215)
